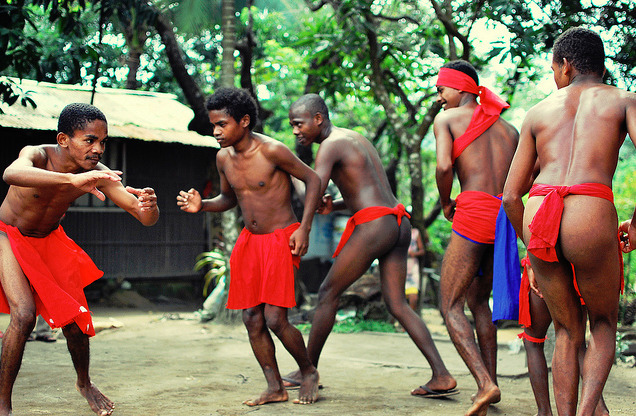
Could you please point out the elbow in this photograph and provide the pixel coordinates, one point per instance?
(150, 220)
(443, 169)
(509, 201)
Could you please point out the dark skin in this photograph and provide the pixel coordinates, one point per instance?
(350, 160)
(482, 166)
(537, 365)
(575, 135)
(44, 181)
(255, 174)
(412, 298)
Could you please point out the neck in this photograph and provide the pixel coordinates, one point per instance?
(579, 78)
(244, 144)
(468, 99)
(326, 130)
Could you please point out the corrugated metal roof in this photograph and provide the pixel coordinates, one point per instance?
(141, 115)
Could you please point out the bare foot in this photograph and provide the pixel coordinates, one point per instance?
(269, 397)
(308, 392)
(437, 384)
(483, 399)
(99, 403)
(295, 377)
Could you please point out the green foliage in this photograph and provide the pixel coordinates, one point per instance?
(216, 264)
(354, 325)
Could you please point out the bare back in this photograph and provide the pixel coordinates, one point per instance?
(578, 131)
(483, 165)
(354, 165)
(262, 189)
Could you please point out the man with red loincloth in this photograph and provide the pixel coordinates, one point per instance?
(474, 142)
(255, 172)
(570, 224)
(42, 271)
(379, 229)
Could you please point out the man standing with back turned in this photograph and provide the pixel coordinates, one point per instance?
(473, 141)
(570, 222)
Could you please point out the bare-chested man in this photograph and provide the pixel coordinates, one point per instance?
(42, 271)
(474, 142)
(379, 229)
(570, 220)
(255, 172)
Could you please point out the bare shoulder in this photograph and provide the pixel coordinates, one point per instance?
(37, 153)
(271, 148)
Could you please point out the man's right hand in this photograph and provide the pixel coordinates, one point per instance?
(449, 210)
(326, 205)
(87, 181)
(190, 201)
(627, 236)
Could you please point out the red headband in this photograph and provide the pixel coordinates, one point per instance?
(453, 78)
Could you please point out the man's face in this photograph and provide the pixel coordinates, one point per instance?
(448, 97)
(226, 130)
(86, 146)
(304, 125)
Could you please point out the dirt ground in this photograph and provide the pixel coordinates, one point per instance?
(161, 361)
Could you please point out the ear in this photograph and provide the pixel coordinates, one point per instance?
(567, 67)
(62, 139)
(318, 119)
(245, 121)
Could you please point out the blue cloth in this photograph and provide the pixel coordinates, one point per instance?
(506, 271)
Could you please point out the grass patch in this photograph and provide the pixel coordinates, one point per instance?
(352, 325)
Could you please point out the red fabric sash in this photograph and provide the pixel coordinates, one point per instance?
(366, 215)
(525, 336)
(476, 216)
(525, 319)
(58, 271)
(547, 221)
(485, 114)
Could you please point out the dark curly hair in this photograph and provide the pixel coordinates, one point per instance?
(582, 48)
(237, 102)
(76, 116)
(313, 103)
(463, 66)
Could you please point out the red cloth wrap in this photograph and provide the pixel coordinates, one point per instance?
(525, 319)
(366, 215)
(262, 270)
(547, 220)
(523, 335)
(485, 114)
(476, 216)
(58, 271)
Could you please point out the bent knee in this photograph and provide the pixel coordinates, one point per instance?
(23, 317)
(276, 323)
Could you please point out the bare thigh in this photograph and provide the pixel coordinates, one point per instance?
(368, 242)
(14, 283)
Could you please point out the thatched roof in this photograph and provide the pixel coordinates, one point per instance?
(140, 115)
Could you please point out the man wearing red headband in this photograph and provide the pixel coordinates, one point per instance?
(570, 224)
(474, 142)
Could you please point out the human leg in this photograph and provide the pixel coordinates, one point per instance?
(265, 353)
(459, 267)
(477, 298)
(534, 343)
(292, 340)
(78, 347)
(22, 320)
(601, 407)
(392, 277)
(592, 248)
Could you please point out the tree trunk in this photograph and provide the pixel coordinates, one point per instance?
(228, 44)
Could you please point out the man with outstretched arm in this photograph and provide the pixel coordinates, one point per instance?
(379, 229)
(570, 224)
(255, 173)
(42, 271)
(476, 144)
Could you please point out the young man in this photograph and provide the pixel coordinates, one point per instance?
(255, 173)
(379, 229)
(570, 220)
(42, 271)
(474, 142)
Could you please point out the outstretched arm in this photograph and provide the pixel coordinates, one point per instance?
(141, 203)
(627, 228)
(444, 170)
(290, 163)
(522, 170)
(192, 202)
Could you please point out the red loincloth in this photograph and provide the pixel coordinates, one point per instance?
(366, 215)
(262, 270)
(475, 216)
(485, 114)
(58, 271)
(525, 319)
